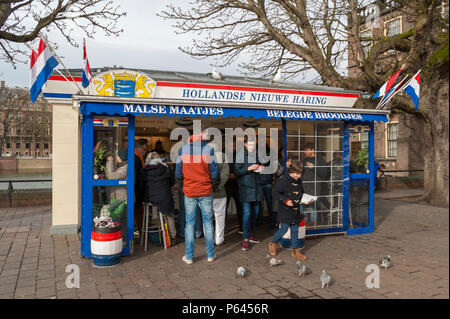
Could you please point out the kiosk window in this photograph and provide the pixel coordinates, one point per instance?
(319, 147)
(110, 154)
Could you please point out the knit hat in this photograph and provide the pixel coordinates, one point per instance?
(123, 154)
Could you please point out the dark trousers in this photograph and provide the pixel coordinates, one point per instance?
(233, 192)
(267, 192)
(138, 215)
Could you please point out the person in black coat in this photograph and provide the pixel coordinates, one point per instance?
(156, 180)
(247, 169)
(288, 191)
(316, 171)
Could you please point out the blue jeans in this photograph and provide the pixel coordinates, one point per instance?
(206, 206)
(249, 212)
(294, 234)
(267, 191)
(182, 219)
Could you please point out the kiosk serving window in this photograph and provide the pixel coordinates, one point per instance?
(318, 145)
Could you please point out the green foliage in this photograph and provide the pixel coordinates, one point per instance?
(440, 55)
(99, 159)
(362, 160)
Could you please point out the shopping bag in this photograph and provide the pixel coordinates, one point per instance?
(116, 208)
(286, 239)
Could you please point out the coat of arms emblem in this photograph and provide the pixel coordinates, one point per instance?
(125, 83)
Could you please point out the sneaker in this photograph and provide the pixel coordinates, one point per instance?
(240, 232)
(254, 240)
(220, 244)
(211, 259)
(245, 244)
(187, 261)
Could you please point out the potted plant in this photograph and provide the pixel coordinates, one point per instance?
(99, 162)
(362, 160)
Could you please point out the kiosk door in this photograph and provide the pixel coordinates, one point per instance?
(107, 178)
(361, 179)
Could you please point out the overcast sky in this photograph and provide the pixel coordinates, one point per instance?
(147, 42)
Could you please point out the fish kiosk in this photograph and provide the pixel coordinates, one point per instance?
(122, 105)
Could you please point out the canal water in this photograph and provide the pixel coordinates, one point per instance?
(25, 174)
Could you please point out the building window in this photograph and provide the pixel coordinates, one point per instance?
(38, 106)
(364, 140)
(27, 145)
(45, 145)
(18, 132)
(17, 145)
(8, 145)
(28, 132)
(393, 27)
(392, 131)
(365, 43)
(37, 145)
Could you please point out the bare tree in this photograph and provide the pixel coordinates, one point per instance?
(36, 124)
(22, 20)
(306, 35)
(12, 101)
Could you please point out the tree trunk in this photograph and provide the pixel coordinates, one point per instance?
(434, 101)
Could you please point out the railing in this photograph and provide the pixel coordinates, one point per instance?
(10, 185)
(383, 178)
(398, 171)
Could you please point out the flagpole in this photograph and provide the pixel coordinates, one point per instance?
(60, 61)
(390, 97)
(404, 85)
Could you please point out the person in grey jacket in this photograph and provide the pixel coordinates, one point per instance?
(220, 196)
(120, 172)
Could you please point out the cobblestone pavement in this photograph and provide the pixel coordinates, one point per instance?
(33, 263)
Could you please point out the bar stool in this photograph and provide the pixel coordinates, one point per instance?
(147, 214)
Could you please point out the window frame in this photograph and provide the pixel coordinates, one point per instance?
(387, 140)
(400, 17)
(371, 42)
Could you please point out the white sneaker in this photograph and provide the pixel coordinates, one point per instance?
(211, 259)
(187, 261)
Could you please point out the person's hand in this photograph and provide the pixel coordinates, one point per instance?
(109, 158)
(232, 176)
(310, 202)
(289, 203)
(309, 164)
(253, 167)
(288, 162)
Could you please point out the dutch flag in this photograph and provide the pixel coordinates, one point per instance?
(86, 77)
(42, 64)
(413, 89)
(386, 86)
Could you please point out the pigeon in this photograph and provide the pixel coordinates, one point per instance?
(273, 261)
(217, 75)
(277, 77)
(325, 279)
(301, 268)
(385, 262)
(241, 272)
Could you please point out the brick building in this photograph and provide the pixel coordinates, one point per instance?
(29, 131)
(395, 141)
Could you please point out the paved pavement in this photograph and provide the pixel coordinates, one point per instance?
(33, 263)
